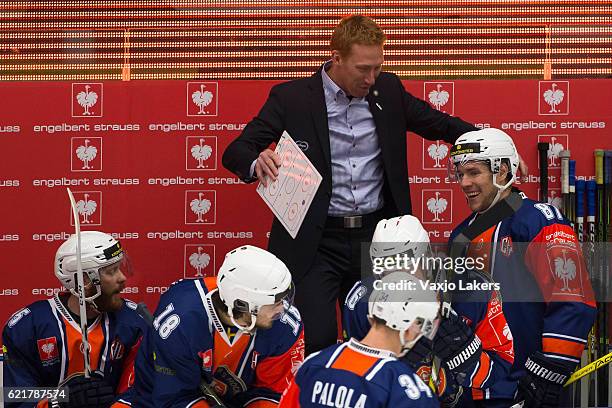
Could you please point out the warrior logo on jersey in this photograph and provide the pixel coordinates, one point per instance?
(47, 351)
(506, 246)
(207, 359)
(117, 349)
(17, 316)
(355, 297)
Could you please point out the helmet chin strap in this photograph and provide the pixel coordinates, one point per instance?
(243, 328)
(500, 190)
(407, 345)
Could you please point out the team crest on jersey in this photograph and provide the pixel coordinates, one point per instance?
(117, 349)
(505, 246)
(424, 373)
(566, 269)
(207, 359)
(48, 351)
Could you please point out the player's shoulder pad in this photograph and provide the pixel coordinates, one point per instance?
(532, 217)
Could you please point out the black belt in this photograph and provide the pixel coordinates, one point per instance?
(354, 221)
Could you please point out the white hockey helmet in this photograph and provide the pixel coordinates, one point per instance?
(490, 145)
(403, 304)
(98, 250)
(250, 278)
(395, 236)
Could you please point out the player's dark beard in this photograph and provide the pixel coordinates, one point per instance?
(108, 303)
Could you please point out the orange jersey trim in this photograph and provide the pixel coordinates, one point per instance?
(483, 371)
(558, 346)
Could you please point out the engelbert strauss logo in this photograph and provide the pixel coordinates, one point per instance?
(89, 207)
(87, 100)
(202, 98)
(86, 154)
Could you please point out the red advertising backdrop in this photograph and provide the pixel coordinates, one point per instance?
(144, 161)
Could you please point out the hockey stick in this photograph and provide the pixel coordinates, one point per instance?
(80, 289)
(564, 155)
(590, 260)
(607, 264)
(580, 187)
(600, 271)
(589, 368)
(543, 158)
(572, 191)
(586, 358)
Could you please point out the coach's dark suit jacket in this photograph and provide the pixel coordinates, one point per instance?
(299, 108)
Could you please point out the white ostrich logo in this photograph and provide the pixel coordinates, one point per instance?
(200, 206)
(199, 260)
(48, 348)
(437, 152)
(507, 332)
(554, 97)
(437, 206)
(438, 98)
(86, 154)
(565, 269)
(554, 149)
(554, 200)
(87, 99)
(86, 208)
(201, 152)
(202, 98)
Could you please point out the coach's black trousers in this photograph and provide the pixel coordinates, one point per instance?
(334, 272)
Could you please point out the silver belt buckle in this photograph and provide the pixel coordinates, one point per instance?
(354, 221)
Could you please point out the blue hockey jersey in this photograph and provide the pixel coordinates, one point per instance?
(481, 310)
(548, 301)
(189, 344)
(356, 376)
(42, 344)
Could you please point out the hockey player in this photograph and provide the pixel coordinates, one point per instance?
(43, 344)
(367, 373)
(237, 339)
(477, 319)
(534, 255)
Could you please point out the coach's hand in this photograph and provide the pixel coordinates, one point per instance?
(92, 392)
(267, 165)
